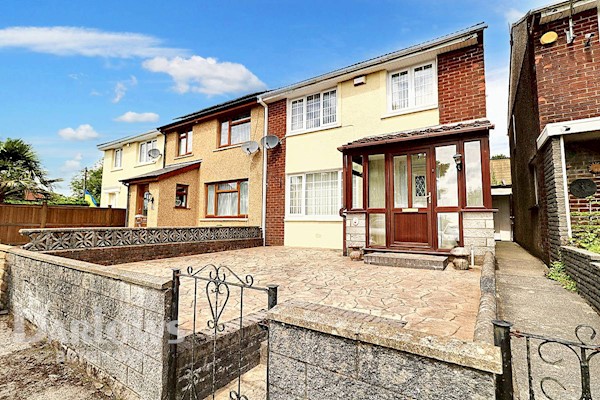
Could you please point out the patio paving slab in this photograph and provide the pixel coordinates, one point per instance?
(443, 303)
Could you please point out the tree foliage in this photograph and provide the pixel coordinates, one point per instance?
(499, 157)
(93, 184)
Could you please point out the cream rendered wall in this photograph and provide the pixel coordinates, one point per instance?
(168, 214)
(362, 111)
(130, 168)
(224, 164)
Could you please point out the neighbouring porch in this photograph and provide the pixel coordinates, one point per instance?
(421, 191)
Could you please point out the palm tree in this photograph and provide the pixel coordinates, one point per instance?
(21, 170)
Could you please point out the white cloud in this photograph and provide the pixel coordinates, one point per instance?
(72, 165)
(205, 75)
(497, 109)
(83, 132)
(122, 87)
(70, 41)
(131, 116)
(512, 15)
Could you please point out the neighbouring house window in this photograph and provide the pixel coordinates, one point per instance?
(112, 199)
(227, 199)
(181, 196)
(474, 176)
(185, 143)
(145, 147)
(535, 185)
(118, 158)
(376, 174)
(314, 111)
(315, 194)
(357, 182)
(235, 130)
(412, 88)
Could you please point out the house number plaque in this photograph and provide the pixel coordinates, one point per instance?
(582, 188)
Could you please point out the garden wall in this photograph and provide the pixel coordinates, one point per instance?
(320, 352)
(4, 277)
(584, 267)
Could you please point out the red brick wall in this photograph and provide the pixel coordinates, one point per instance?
(568, 81)
(461, 84)
(276, 176)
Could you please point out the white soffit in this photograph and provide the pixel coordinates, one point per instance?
(568, 128)
(563, 10)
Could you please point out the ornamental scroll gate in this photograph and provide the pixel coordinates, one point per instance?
(215, 352)
(554, 368)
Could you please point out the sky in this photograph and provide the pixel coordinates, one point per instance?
(74, 74)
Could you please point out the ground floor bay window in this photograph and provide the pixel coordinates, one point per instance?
(414, 193)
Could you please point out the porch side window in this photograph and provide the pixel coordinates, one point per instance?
(314, 111)
(357, 182)
(376, 181)
(474, 176)
(315, 194)
(446, 176)
(227, 199)
(448, 230)
(412, 88)
(400, 182)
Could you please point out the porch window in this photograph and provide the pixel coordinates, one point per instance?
(413, 88)
(227, 199)
(235, 130)
(181, 196)
(118, 158)
(448, 230)
(315, 194)
(377, 230)
(145, 147)
(400, 182)
(376, 181)
(474, 176)
(357, 182)
(185, 143)
(446, 176)
(314, 111)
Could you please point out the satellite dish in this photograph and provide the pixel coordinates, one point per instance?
(154, 153)
(549, 37)
(250, 147)
(270, 142)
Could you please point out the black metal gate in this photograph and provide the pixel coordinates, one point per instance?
(542, 357)
(194, 375)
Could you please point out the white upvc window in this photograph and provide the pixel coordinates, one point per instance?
(118, 158)
(314, 111)
(145, 147)
(314, 194)
(413, 88)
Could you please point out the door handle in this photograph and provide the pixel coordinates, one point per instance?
(428, 198)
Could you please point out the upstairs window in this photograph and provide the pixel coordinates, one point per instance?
(413, 88)
(235, 130)
(314, 111)
(118, 158)
(185, 143)
(145, 147)
(181, 196)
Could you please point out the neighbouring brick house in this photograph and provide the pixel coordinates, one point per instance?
(423, 110)
(554, 114)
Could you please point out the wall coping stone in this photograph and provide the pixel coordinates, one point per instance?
(488, 307)
(136, 278)
(387, 333)
(589, 254)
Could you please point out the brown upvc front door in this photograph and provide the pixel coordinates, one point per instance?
(141, 207)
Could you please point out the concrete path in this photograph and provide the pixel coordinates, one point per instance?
(536, 304)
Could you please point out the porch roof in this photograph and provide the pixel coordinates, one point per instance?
(165, 172)
(423, 133)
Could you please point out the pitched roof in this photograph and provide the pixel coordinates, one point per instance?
(423, 133)
(162, 173)
(128, 139)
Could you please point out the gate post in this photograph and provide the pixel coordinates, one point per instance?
(504, 382)
(173, 335)
(272, 296)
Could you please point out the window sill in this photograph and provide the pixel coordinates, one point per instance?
(223, 219)
(233, 146)
(397, 113)
(321, 128)
(181, 208)
(183, 156)
(116, 169)
(313, 219)
(144, 164)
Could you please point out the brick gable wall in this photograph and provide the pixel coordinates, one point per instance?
(461, 84)
(276, 176)
(567, 74)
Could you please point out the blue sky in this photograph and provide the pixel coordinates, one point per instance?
(77, 73)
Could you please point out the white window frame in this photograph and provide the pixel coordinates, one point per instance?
(303, 216)
(147, 159)
(412, 107)
(304, 112)
(120, 158)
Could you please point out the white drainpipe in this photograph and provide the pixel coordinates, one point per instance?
(264, 188)
(563, 161)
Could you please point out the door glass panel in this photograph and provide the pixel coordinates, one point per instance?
(419, 180)
(474, 175)
(377, 230)
(446, 176)
(400, 182)
(377, 181)
(448, 230)
(357, 182)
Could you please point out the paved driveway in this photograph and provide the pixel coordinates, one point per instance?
(444, 303)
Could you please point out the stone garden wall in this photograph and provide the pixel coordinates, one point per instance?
(584, 267)
(111, 246)
(4, 277)
(488, 305)
(113, 322)
(319, 352)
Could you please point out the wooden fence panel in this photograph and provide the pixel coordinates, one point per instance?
(14, 217)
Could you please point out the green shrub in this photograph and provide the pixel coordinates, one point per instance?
(557, 273)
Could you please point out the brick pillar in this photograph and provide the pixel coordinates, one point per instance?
(274, 234)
